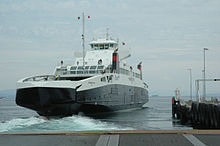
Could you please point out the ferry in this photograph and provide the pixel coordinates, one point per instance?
(99, 81)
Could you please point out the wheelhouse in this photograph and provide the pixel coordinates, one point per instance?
(103, 44)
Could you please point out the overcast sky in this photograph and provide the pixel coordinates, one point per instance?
(168, 36)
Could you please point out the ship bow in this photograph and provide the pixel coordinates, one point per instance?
(48, 101)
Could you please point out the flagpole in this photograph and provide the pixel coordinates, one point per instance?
(83, 39)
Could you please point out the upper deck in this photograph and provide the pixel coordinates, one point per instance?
(100, 53)
(98, 60)
(88, 71)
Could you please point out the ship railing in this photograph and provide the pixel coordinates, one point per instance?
(81, 72)
(40, 78)
(95, 72)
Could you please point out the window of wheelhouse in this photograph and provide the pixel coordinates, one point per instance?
(106, 46)
(101, 46)
(96, 47)
(111, 45)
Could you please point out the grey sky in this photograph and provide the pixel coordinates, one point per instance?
(167, 35)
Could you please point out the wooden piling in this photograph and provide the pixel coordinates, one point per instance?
(201, 115)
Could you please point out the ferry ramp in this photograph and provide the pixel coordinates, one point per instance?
(114, 138)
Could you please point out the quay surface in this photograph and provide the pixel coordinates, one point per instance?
(114, 138)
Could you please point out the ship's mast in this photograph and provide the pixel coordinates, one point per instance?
(83, 40)
(107, 34)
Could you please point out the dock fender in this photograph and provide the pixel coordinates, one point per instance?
(215, 117)
(184, 114)
(199, 114)
(203, 113)
(207, 116)
(196, 113)
(193, 109)
(211, 115)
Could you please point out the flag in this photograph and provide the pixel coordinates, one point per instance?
(78, 18)
(88, 16)
(139, 66)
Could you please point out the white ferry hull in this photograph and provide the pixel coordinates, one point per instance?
(90, 96)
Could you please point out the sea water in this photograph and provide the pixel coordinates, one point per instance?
(156, 114)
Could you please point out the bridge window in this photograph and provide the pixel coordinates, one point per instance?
(93, 67)
(100, 67)
(73, 68)
(111, 45)
(87, 67)
(96, 47)
(106, 46)
(101, 46)
(80, 68)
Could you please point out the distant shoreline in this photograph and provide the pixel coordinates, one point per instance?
(6, 97)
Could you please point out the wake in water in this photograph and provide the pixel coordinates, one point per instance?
(73, 123)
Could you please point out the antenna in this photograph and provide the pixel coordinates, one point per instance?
(107, 34)
(83, 38)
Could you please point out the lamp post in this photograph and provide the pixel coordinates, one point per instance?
(190, 78)
(204, 84)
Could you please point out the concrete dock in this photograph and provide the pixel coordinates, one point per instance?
(114, 138)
